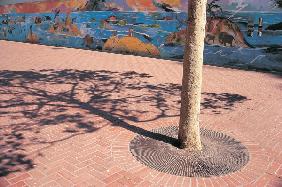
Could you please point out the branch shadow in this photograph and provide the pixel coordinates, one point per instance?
(220, 103)
(79, 102)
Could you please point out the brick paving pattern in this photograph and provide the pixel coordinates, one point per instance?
(67, 117)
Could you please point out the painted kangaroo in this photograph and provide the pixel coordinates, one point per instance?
(225, 38)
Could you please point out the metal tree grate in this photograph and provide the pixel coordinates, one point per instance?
(221, 154)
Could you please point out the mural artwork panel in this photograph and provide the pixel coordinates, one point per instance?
(241, 33)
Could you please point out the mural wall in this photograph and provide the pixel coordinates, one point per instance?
(238, 33)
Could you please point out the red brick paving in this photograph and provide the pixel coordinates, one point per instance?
(57, 128)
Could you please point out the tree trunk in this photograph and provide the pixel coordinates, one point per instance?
(189, 130)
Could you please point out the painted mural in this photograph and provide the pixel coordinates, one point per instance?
(239, 33)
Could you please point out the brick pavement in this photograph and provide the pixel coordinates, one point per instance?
(67, 116)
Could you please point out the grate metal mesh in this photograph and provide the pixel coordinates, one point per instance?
(221, 154)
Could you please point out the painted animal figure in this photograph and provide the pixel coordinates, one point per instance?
(48, 18)
(210, 37)
(37, 20)
(225, 38)
(5, 22)
(88, 40)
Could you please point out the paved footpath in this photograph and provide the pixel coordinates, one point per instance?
(68, 115)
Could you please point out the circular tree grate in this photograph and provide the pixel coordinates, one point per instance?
(221, 154)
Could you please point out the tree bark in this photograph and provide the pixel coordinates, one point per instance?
(189, 130)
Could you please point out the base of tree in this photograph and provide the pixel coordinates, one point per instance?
(221, 153)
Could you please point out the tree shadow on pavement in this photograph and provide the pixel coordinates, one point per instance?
(72, 102)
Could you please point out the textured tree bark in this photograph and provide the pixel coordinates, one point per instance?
(189, 130)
